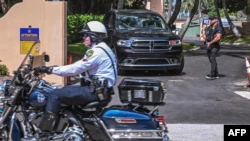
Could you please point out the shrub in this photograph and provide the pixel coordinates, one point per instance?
(77, 22)
(3, 70)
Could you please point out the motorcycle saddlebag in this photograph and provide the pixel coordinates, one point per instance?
(142, 91)
(95, 129)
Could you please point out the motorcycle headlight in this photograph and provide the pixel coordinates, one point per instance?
(1, 96)
(124, 43)
(1, 91)
(4, 87)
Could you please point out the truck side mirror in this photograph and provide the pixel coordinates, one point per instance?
(172, 27)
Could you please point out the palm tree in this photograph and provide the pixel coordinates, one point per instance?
(120, 4)
(187, 5)
(218, 14)
(3, 6)
(170, 2)
(205, 4)
(232, 26)
(187, 23)
(175, 13)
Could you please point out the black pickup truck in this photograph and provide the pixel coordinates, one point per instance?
(142, 40)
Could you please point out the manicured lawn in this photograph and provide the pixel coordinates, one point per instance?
(187, 46)
(233, 39)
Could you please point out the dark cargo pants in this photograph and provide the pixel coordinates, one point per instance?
(212, 53)
(69, 95)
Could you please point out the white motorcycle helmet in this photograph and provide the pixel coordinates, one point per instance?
(96, 30)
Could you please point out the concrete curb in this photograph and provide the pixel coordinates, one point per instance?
(200, 43)
(235, 44)
(193, 49)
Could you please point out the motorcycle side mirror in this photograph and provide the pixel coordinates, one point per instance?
(15, 72)
(46, 58)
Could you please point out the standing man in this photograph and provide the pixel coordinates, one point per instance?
(213, 36)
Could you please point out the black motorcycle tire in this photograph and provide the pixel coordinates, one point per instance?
(4, 134)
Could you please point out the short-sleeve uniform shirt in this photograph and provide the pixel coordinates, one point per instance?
(211, 33)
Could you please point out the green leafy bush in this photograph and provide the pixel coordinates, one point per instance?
(77, 48)
(3, 70)
(77, 22)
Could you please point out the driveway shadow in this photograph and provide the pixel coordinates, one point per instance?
(235, 52)
(151, 73)
(221, 75)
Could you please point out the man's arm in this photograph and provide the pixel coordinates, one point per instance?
(204, 32)
(89, 61)
(216, 39)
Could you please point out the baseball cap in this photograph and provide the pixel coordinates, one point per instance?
(213, 17)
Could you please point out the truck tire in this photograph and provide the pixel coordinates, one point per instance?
(177, 71)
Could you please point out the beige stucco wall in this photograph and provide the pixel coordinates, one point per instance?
(50, 18)
(179, 23)
(148, 5)
(157, 6)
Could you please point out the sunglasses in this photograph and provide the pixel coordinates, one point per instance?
(86, 35)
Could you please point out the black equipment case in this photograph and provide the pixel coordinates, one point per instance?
(142, 91)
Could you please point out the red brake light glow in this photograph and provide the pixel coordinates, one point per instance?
(161, 119)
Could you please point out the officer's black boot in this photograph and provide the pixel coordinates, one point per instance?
(48, 121)
(46, 125)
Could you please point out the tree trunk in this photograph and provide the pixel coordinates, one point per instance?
(4, 7)
(216, 3)
(176, 12)
(189, 19)
(120, 4)
(170, 2)
(232, 27)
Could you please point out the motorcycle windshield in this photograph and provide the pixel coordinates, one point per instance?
(24, 60)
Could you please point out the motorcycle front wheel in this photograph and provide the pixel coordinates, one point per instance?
(4, 134)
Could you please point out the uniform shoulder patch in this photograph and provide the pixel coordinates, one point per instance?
(89, 53)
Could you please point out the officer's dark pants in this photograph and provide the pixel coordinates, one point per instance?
(212, 53)
(69, 95)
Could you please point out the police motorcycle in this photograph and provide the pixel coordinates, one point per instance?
(24, 98)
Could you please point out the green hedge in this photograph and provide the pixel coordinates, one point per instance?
(3, 70)
(77, 22)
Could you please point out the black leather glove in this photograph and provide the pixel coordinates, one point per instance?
(42, 69)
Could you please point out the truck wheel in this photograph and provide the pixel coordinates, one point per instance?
(177, 71)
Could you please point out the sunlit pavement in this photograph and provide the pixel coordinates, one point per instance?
(196, 108)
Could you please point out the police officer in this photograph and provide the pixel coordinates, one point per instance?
(99, 62)
(213, 36)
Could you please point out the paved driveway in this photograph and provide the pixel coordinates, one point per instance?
(196, 108)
